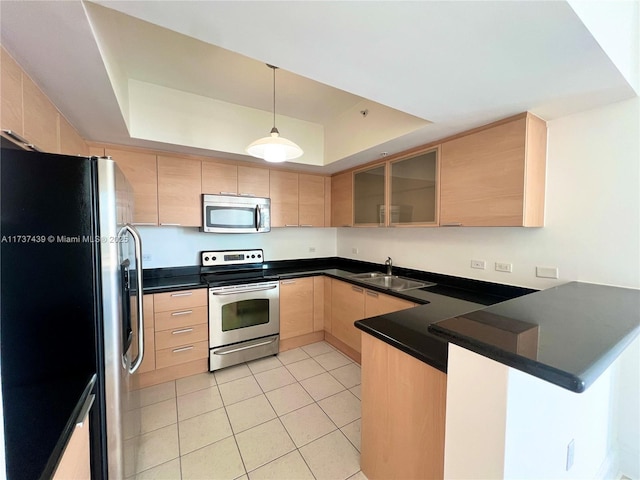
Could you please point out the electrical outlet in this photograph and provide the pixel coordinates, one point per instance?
(312, 249)
(570, 454)
(354, 250)
(547, 272)
(504, 267)
(146, 257)
(481, 264)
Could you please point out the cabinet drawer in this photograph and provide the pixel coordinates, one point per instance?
(181, 336)
(164, 302)
(167, 357)
(181, 318)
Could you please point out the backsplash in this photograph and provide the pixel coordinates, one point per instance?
(179, 246)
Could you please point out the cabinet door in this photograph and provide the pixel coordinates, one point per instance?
(311, 200)
(40, 117)
(179, 191)
(142, 173)
(327, 303)
(378, 304)
(327, 201)
(149, 358)
(70, 142)
(296, 307)
(219, 178)
(482, 177)
(76, 458)
(253, 181)
(318, 303)
(414, 192)
(342, 200)
(11, 89)
(283, 188)
(369, 196)
(347, 306)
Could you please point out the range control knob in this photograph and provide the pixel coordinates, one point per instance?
(213, 258)
(206, 259)
(253, 256)
(259, 256)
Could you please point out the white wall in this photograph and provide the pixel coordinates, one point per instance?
(592, 225)
(177, 246)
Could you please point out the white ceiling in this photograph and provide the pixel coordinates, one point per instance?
(458, 64)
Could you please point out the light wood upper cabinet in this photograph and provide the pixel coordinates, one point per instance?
(495, 176)
(347, 306)
(142, 172)
(253, 181)
(327, 201)
(284, 198)
(11, 89)
(70, 142)
(219, 178)
(40, 117)
(179, 191)
(311, 198)
(342, 200)
(296, 307)
(376, 303)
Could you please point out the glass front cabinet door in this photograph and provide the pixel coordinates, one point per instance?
(369, 197)
(414, 190)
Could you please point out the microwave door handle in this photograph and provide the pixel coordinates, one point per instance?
(138, 255)
(258, 218)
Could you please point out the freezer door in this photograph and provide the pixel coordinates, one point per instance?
(121, 268)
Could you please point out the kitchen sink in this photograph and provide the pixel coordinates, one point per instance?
(391, 282)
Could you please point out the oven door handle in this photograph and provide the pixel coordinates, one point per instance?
(245, 347)
(238, 292)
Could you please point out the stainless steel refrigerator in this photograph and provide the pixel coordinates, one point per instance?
(71, 316)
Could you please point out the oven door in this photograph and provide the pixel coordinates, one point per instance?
(243, 312)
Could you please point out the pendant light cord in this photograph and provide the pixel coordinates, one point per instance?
(274, 96)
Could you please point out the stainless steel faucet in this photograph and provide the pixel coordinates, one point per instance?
(389, 264)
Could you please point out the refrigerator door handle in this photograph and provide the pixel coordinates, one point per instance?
(138, 253)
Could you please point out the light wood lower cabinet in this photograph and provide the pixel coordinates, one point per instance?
(347, 306)
(296, 307)
(403, 414)
(179, 340)
(376, 303)
(76, 460)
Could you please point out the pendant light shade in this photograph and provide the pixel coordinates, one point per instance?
(274, 148)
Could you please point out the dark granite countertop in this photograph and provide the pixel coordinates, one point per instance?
(34, 443)
(406, 330)
(567, 335)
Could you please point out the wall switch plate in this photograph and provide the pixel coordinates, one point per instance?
(312, 249)
(547, 272)
(146, 257)
(354, 250)
(504, 267)
(481, 264)
(570, 454)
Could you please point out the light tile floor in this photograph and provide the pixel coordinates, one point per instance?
(291, 416)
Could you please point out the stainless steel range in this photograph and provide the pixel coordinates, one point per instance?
(244, 307)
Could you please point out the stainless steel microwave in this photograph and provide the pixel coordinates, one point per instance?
(235, 214)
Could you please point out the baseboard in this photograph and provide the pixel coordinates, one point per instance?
(299, 341)
(343, 347)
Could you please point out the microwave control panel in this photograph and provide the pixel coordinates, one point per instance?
(218, 258)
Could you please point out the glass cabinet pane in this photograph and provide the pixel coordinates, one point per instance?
(368, 196)
(413, 189)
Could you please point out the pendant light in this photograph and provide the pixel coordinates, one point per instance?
(274, 148)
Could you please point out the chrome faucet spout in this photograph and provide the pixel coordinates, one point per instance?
(389, 264)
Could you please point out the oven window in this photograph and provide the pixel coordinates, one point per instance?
(245, 313)
(231, 217)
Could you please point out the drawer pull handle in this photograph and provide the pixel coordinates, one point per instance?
(185, 294)
(452, 224)
(183, 349)
(144, 223)
(287, 282)
(372, 294)
(246, 194)
(184, 330)
(357, 289)
(171, 224)
(290, 225)
(306, 225)
(186, 312)
(228, 193)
